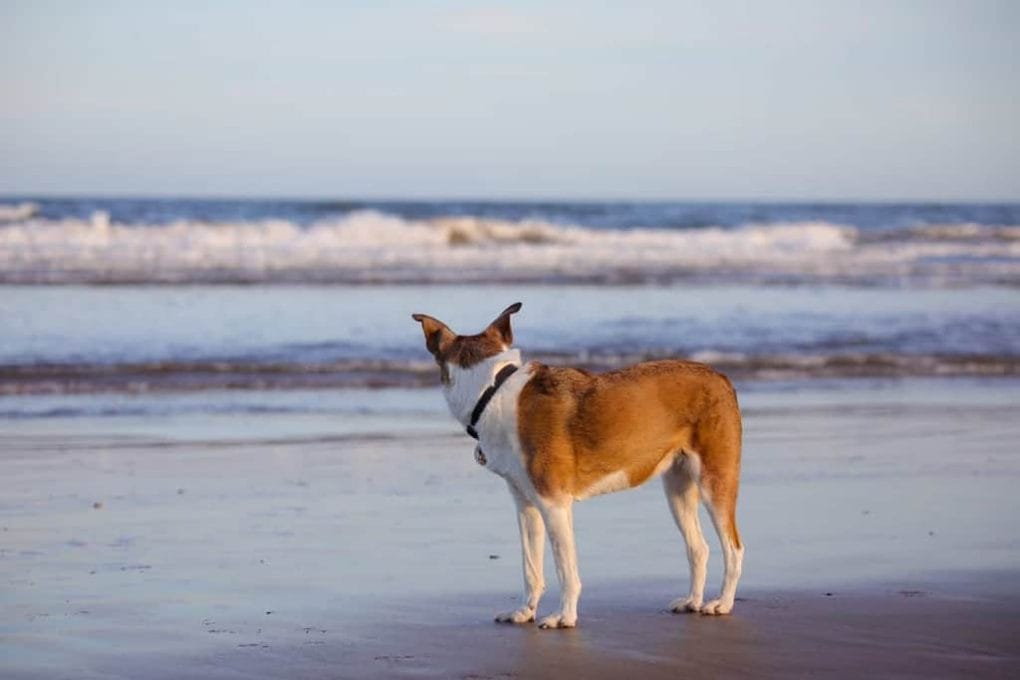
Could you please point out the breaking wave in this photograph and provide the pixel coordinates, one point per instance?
(245, 374)
(19, 211)
(375, 247)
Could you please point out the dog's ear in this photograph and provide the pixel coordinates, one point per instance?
(501, 325)
(438, 335)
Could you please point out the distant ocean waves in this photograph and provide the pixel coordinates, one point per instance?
(248, 374)
(373, 246)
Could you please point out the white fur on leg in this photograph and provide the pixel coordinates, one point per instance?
(716, 607)
(520, 615)
(559, 520)
(734, 559)
(689, 604)
(682, 495)
(532, 527)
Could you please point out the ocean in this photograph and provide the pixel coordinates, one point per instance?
(122, 302)
(223, 446)
(225, 241)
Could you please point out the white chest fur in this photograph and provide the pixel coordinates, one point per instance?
(497, 427)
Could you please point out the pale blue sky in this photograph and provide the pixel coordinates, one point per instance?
(714, 100)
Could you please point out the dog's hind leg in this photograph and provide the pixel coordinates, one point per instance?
(680, 484)
(559, 520)
(532, 527)
(733, 553)
(719, 490)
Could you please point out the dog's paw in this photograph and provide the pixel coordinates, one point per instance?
(685, 605)
(716, 607)
(522, 615)
(557, 621)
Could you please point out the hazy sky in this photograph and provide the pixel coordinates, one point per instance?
(804, 100)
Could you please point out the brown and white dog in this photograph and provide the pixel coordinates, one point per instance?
(558, 435)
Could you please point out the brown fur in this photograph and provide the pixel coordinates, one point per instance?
(577, 428)
(466, 350)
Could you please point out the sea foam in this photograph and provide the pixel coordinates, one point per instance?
(19, 211)
(372, 246)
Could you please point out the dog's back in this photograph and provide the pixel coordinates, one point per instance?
(579, 428)
(558, 435)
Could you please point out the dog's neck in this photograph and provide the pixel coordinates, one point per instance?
(467, 384)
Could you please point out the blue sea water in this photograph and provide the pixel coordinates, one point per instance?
(870, 217)
(250, 241)
(130, 296)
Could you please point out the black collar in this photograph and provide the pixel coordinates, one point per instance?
(487, 395)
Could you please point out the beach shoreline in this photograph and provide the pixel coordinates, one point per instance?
(964, 626)
(953, 625)
(279, 544)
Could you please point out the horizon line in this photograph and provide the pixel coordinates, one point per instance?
(437, 198)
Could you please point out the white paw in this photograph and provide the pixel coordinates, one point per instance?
(557, 621)
(522, 615)
(716, 607)
(683, 605)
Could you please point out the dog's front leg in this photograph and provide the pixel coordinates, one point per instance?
(559, 520)
(532, 527)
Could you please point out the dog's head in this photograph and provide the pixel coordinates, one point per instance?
(465, 351)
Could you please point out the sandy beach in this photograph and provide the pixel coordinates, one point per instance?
(225, 451)
(879, 518)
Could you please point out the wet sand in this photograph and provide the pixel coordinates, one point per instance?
(955, 628)
(880, 523)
